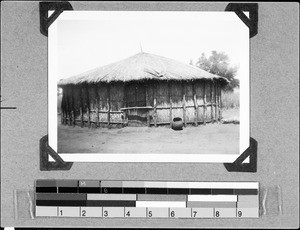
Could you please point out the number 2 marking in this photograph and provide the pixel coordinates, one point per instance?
(83, 212)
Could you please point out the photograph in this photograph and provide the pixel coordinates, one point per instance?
(148, 86)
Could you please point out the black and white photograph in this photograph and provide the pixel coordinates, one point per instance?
(148, 86)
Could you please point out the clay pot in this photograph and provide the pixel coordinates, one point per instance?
(177, 123)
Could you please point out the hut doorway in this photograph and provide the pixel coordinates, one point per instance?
(136, 109)
(136, 95)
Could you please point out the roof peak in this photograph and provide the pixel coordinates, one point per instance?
(141, 48)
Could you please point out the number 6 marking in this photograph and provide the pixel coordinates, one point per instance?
(172, 214)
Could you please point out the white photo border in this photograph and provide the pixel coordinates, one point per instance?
(143, 157)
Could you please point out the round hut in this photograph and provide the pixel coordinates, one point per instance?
(144, 89)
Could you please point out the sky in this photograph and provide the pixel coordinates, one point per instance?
(90, 39)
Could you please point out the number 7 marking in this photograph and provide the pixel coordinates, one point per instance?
(194, 213)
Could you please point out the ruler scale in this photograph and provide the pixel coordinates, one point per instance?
(146, 199)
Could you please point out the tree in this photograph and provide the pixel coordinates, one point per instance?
(218, 63)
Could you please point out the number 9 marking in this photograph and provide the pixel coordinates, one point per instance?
(240, 214)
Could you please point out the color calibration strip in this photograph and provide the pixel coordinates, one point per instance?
(146, 199)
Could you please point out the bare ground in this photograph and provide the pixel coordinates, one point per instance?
(231, 114)
(208, 139)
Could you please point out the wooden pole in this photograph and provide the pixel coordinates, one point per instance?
(216, 102)
(211, 102)
(204, 103)
(147, 104)
(183, 104)
(81, 107)
(73, 106)
(88, 106)
(97, 106)
(63, 107)
(196, 106)
(155, 104)
(66, 106)
(108, 104)
(124, 104)
(69, 102)
(170, 99)
(136, 95)
(220, 103)
(62, 117)
(147, 95)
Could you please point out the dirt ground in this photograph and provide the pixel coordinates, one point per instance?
(231, 114)
(208, 139)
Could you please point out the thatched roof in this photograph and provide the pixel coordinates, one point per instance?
(142, 66)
